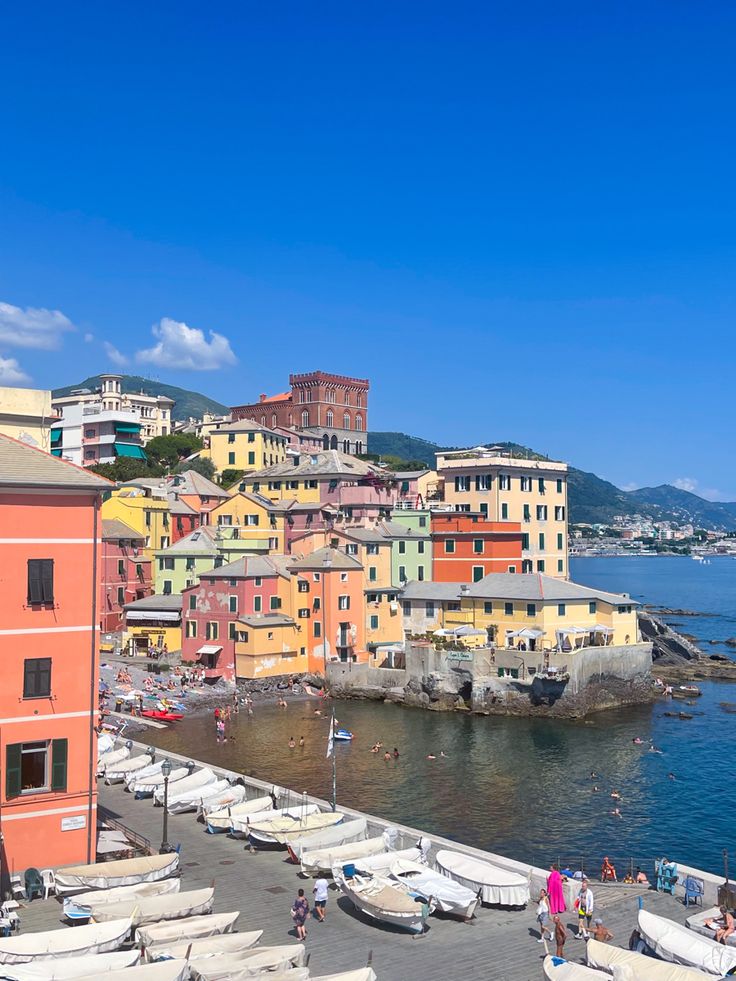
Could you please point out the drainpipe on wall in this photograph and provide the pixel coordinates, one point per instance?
(92, 826)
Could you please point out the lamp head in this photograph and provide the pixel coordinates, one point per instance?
(166, 768)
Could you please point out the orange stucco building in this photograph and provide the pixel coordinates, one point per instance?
(50, 530)
(466, 547)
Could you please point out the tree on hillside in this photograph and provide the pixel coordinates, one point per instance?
(200, 464)
(168, 451)
(127, 468)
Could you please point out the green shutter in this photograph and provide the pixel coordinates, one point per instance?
(12, 771)
(59, 752)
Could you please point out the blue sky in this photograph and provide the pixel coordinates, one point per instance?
(516, 220)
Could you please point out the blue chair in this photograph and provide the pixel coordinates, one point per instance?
(34, 884)
(666, 876)
(694, 889)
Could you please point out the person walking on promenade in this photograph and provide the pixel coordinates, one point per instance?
(320, 899)
(585, 904)
(555, 892)
(560, 937)
(543, 917)
(299, 914)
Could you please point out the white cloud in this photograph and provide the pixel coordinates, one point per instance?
(686, 484)
(11, 372)
(117, 357)
(88, 338)
(32, 327)
(180, 346)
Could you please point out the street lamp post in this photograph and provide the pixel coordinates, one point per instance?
(166, 771)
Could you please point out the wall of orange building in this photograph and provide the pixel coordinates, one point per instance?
(501, 540)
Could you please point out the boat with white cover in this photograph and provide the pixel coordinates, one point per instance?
(382, 861)
(144, 784)
(105, 743)
(119, 771)
(448, 896)
(192, 928)
(361, 974)
(79, 906)
(322, 859)
(640, 967)
(231, 796)
(343, 833)
(191, 800)
(177, 970)
(497, 887)
(222, 819)
(107, 875)
(386, 899)
(95, 938)
(557, 969)
(154, 909)
(278, 830)
(111, 758)
(195, 780)
(241, 823)
(278, 958)
(676, 943)
(206, 947)
(206, 972)
(70, 968)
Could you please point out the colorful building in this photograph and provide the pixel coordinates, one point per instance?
(244, 445)
(26, 415)
(184, 519)
(411, 553)
(491, 481)
(199, 493)
(125, 573)
(257, 518)
(333, 408)
(152, 412)
(180, 565)
(145, 509)
(50, 527)
(467, 547)
(90, 434)
(153, 625)
(269, 646)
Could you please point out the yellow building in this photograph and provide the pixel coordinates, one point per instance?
(26, 415)
(532, 612)
(244, 445)
(153, 625)
(502, 487)
(255, 519)
(146, 511)
(269, 645)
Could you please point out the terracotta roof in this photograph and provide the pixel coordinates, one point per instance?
(22, 465)
(280, 397)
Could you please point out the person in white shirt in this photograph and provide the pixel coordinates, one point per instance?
(585, 904)
(320, 899)
(543, 917)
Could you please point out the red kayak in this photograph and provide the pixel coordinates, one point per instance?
(162, 716)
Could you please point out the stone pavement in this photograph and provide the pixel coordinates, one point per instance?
(498, 946)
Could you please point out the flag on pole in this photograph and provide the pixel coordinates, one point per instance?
(331, 737)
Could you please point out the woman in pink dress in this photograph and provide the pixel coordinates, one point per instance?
(554, 891)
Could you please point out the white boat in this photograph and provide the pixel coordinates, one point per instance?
(154, 909)
(191, 800)
(144, 784)
(162, 971)
(382, 861)
(497, 887)
(222, 818)
(676, 943)
(233, 795)
(111, 758)
(448, 896)
(206, 973)
(105, 743)
(108, 875)
(222, 967)
(119, 771)
(193, 928)
(557, 969)
(322, 859)
(346, 832)
(277, 831)
(79, 906)
(240, 826)
(640, 967)
(68, 968)
(96, 938)
(195, 780)
(361, 974)
(385, 899)
(206, 947)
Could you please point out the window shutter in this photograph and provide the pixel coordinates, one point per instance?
(12, 770)
(59, 752)
(47, 580)
(35, 593)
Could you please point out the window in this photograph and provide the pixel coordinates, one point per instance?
(351, 549)
(233, 604)
(592, 606)
(453, 607)
(302, 586)
(359, 423)
(346, 420)
(462, 484)
(559, 486)
(257, 604)
(560, 565)
(374, 623)
(231, 458)
(316, 576)
(330, 419)
(420, 573)
(372, 573)
(541, 512)
(525, 540)
(420, 548)
(508, 609)
(541, 539)
(305, 417)
(372, 549)
(275, 603)
(504, 481)
(624, 609)
(251, 459)
(559, 541)
(483, 509)
(231, 437)
(541, 485)
(190, 564)
(28, 767)
(527, 566)
(40, 581)
(167, 587)
(191, 628)
(316, 603)
(257, 581)
(540, 565)
(478, 573)
(429, 610)
(402, 573)
(483, 481)
(478, 546)
(488, 607)
(166, 564)
(212, 631)
(402, 548)
(561, 609)
(449, 546)
(343, 577)
(232, 630)
(526, 483)
(193, 601)
(531, 609)
(148, 519)
(89, 433)
(121, 567)
(343, 602)
(527, 513)
(504, 512)
(407, 609)
(304, 613)
(121, 595)
(559, 513)
(37, 677)
(317, 628)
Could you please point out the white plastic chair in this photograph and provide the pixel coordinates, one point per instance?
(49, 882)
(17, 888)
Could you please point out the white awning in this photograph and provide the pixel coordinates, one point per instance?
(574, 630)
(599, 629)
(145, 616)
(529, 633)
(209, 649)
(468, 631)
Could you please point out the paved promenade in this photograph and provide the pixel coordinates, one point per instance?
(497, 946)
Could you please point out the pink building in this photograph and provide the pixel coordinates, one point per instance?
(125, 572)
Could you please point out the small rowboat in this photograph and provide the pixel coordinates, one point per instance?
(343, 736)
(162, 716)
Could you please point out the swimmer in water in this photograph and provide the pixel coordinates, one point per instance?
(616, 795)
(593, 775)
(301, 740)
(654, 749)
(596, 789)
(431, 757)
(616, 813)
(443, 755)
(292, 744)
(387, 755)
(637, 741)
(671, 776)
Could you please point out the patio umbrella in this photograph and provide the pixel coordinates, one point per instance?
(468, 631)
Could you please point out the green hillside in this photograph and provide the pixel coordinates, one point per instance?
(187, 403)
